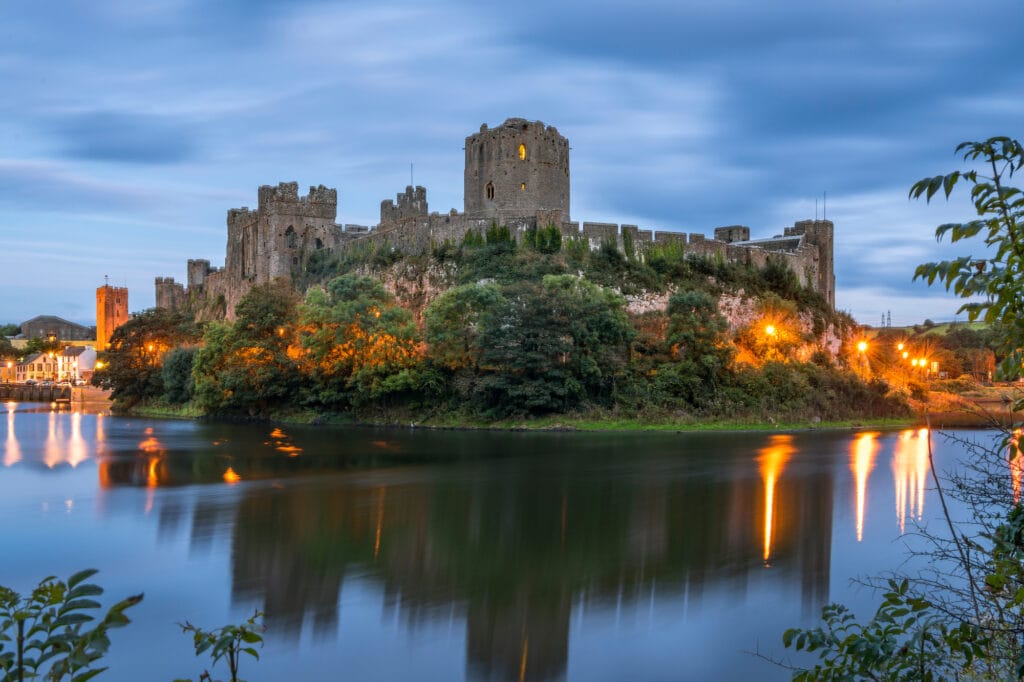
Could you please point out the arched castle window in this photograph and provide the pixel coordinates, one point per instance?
(489, 190)
(522, 185)
(319, 244)
(290, 239)
(522, 152)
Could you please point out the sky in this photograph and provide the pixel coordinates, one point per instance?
(128, 129)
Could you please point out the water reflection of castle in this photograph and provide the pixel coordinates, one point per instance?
(514, 555)
(513, 551)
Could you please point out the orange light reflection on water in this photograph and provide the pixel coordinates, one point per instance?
(910, 474)
(772, 459)
(862, 461)
(12, 450)
(52, 450)
(231, 477)
(78, 451)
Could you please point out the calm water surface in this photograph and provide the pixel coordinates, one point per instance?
(399, 554)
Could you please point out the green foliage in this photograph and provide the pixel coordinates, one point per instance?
(10, 329)
(177, 375)
(453, 323)
(699, 350)
(544, 239)
(7, 350)
(227, 643)
(550, 347)
(38, 344)
(245, 367)
(47, 634)
(907, 639)
(993, 282)
(358, 344)
(133, 363)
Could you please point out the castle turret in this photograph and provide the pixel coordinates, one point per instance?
(290, 228)
(517, 170)
(410, 204)
(821, 234)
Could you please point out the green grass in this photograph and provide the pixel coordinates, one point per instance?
(573, 422)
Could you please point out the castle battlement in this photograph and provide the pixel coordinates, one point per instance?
(517, 175)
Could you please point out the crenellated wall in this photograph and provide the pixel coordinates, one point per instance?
(515, 175)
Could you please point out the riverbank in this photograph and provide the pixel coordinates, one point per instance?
(986, 409)
(583, 422)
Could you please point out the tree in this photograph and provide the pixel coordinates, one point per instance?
(132, 366)
(357, 344)
(998, 275)
(7, 350)
(699, 347)
(10, 329)
(454, 321)
(250, 366)
(177, 375)
(553, 346)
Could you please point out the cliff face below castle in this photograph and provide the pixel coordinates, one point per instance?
(416, 283)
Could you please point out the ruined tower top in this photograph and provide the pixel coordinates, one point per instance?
(515, 170)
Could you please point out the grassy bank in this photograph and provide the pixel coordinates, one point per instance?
(571, 422)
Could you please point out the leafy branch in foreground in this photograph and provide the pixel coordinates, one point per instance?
(998, 277)
(45, 632)
(228, 642)
(907, 639)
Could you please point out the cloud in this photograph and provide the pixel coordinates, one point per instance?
(125, 137)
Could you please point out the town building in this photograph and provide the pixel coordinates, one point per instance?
(55, 328)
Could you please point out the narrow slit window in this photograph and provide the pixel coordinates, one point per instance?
(522, 185)
(522, 152)
(489, 190)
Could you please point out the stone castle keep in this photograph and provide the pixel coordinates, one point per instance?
(515, 175)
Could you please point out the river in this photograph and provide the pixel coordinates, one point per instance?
(394, 554)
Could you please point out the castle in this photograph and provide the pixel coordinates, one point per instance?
(515, 175)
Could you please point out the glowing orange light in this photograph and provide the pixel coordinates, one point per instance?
(772, 459)
(862, 346)
(899, 346)
(152, 477)
(913, 362)
(770, 330)
(862, 461)
(906, 355)
(910, 474)
(231, 477)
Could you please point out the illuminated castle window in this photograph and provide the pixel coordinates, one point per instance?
(489, 190)
(522, 185)
(522, 152)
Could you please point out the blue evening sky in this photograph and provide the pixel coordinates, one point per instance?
(129, 127)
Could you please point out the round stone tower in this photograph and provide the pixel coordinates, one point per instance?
(515, 170)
